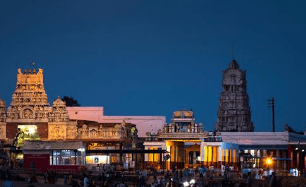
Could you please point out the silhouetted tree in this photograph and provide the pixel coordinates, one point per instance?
(70, 101)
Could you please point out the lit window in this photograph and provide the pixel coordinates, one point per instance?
(67, 157)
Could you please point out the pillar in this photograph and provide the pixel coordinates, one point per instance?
(234, 158)
(226, 157)
(209, 155)
(277, 161)
(146, 156)
(304, 164)
(291, 156)
(284, 162)
(206, 155)
(220, 156)
(298, 159)
(264, 153)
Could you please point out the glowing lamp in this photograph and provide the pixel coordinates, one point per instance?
(186, 183)
(31, 130)
(269, 161)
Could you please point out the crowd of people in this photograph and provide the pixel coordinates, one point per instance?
(200, 176)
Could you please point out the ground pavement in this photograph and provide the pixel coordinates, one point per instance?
(40, 183)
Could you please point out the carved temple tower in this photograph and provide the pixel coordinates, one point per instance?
(29, 108)
(2, 119)
(58, 120)
(234, 113)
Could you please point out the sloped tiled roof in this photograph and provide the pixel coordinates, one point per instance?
(52, 145)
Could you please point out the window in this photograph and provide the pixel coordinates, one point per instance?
(66, 157)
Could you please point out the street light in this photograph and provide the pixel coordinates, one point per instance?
(268, 161)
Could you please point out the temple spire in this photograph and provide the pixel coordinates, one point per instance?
(234, 113)
(234, 65)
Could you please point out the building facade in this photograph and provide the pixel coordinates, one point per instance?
(30, 117)
(30, 120)
(181, 139)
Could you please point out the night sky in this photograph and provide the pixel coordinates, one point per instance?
(153, 57)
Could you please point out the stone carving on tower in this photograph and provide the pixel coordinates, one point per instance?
(116, 131)
(234, 113)
(58, 119)
(2, 119)
(29, 100)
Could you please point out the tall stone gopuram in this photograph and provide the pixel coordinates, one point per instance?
(234, 113)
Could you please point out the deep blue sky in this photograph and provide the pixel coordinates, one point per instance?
(152, 57)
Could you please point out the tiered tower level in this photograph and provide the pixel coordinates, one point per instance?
(234, 113)
(29, 100)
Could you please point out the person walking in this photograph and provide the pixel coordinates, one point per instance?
(86, 181)
(249, 180)
(273, 180)
(65, 179)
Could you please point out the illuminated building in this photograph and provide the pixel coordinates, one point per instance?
(188, 145)
(31, 118)
(181, 138)
(116, 139)
(234, 142)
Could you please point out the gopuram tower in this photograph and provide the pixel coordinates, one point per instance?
(28, 111)
(234, 113)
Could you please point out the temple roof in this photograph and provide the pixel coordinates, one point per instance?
(59, 102)
(183, 114)
(234, 65)
(52, 145)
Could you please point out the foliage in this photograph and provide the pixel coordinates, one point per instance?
(70, 101)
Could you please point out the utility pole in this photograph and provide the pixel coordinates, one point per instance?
(271, 104)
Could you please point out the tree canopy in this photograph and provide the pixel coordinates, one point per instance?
(70, 101)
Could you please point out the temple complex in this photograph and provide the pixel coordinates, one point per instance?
(233, 143)
(30, 118)
(60, 137)
(234, 113)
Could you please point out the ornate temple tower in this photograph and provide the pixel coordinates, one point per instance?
(29, 101)
(29, 107)
(234, 112)
(2, 119)
(58, 119)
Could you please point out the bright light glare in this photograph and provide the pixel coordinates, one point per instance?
(186, 183)
(269, 161)
(192, 181)
(81, 149)
(31, 130)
